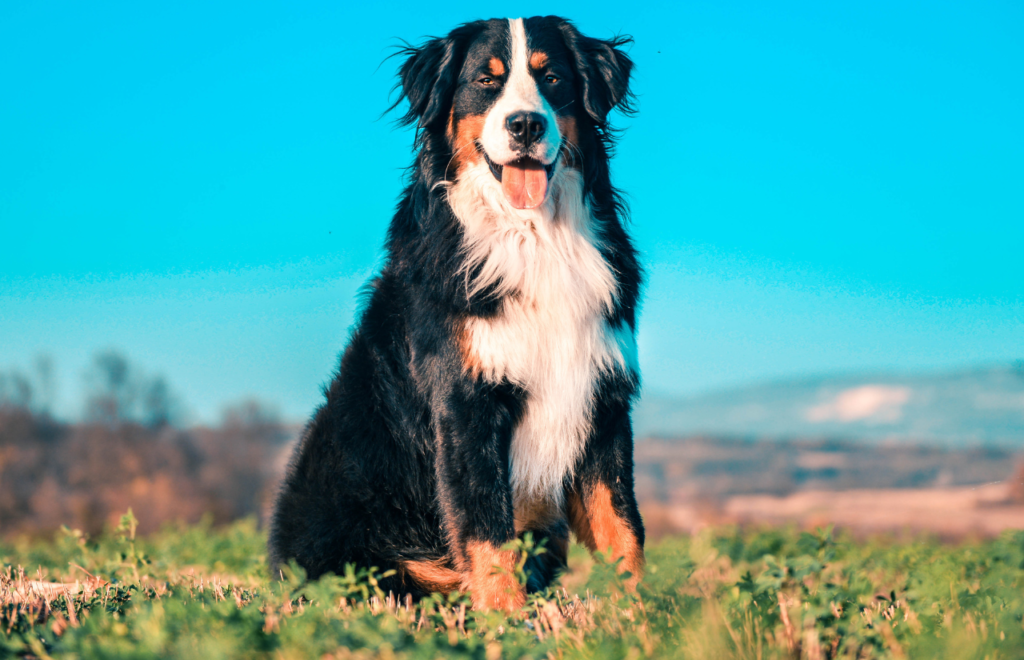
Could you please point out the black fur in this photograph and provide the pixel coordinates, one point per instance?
(408, 457)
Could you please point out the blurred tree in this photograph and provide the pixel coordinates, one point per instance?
(242, 456)
(159, 406)
(252, 414)
(46, 386)
(84, 475)
(118, 392)
(112, 389)
(15, 390)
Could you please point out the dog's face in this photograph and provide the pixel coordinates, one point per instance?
(515, 95)
(514, 108)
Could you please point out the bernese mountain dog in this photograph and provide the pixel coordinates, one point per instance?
(486, 389)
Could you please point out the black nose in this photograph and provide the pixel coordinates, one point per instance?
(526, 127)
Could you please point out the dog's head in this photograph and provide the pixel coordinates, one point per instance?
(521, 97)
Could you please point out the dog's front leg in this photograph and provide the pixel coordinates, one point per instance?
(474, 429)
(601, 503)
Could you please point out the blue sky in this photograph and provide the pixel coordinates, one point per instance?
(814, 188)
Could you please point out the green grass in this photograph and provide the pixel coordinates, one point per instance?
(198, 592)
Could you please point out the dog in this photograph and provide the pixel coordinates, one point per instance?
(487, 387)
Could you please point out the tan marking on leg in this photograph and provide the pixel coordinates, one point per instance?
(431, 575)
(598, 526)
(491, 580)
(496, 67)
(538, 60)
(571, 136)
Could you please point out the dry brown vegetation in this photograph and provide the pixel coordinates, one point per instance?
(85, 475)
(688, 484)
(129, 452)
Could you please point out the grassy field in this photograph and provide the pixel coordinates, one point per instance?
(197, 592)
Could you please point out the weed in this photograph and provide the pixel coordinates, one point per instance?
(205, 592)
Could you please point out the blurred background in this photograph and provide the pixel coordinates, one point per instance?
(827, 199)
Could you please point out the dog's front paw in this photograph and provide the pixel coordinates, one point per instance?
(491, 580)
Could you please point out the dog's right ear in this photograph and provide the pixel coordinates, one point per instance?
(429, 75)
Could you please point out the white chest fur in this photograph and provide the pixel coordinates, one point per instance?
(550, 337)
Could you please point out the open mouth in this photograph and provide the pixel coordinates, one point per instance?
(524, 181)
(496, 169)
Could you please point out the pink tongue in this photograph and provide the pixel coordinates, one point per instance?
(525, 183)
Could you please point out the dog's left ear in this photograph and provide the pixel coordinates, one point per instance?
(603, 69)
(429, 75)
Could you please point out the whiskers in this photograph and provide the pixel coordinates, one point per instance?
(575, 155)
(444, 183)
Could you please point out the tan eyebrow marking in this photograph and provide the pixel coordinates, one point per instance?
(538, 60)
(497, 67)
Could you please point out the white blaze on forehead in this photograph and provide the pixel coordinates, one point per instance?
(519, 95)
(521, 87)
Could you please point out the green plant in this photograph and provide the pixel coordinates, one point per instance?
(205, 592)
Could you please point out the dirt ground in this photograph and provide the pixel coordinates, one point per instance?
(953, 513)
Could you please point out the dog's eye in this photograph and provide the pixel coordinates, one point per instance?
(551, 79)
(487, 81)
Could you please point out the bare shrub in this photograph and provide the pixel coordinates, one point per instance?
(128, 453)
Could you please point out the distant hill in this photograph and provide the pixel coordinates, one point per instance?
(676, 470)
(983, 406)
